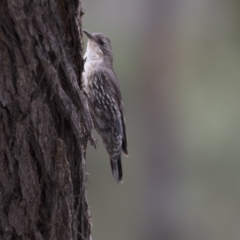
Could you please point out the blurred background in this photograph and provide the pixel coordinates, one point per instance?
(178, 63)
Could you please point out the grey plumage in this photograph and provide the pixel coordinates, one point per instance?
(102, 89)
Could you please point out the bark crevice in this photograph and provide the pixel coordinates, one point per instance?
(44, 121)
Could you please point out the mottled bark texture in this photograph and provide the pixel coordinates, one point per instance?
(44, 121)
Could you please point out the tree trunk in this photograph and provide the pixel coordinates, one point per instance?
(44, 121)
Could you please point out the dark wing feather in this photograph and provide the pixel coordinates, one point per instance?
(111, 80)
(124, 143)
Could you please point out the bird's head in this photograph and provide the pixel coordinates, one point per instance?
(98, 47)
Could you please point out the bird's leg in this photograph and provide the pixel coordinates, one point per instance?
(93, 141)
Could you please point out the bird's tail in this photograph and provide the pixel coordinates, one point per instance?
(116, 166)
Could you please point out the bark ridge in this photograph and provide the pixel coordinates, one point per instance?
(44, 121)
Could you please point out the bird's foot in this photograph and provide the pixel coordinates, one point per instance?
(93, 142)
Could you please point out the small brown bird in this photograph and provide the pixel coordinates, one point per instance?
(101, 86)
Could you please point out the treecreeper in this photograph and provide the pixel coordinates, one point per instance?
(101, 86)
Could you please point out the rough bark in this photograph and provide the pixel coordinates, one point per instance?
(44, 121)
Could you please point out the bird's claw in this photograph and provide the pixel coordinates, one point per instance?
(94, 142)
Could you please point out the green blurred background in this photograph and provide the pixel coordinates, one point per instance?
(178, 63)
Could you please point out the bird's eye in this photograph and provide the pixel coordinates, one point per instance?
(101, 42)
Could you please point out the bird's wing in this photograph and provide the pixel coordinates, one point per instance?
(124, 143)
(112, 87)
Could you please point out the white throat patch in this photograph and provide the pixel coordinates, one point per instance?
(93, 52)
(93, 56)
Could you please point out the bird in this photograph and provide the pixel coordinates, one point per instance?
(101, 86)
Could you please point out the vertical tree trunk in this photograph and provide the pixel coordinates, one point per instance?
(44, 121)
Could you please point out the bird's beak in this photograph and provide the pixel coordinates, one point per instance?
(88, 34)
